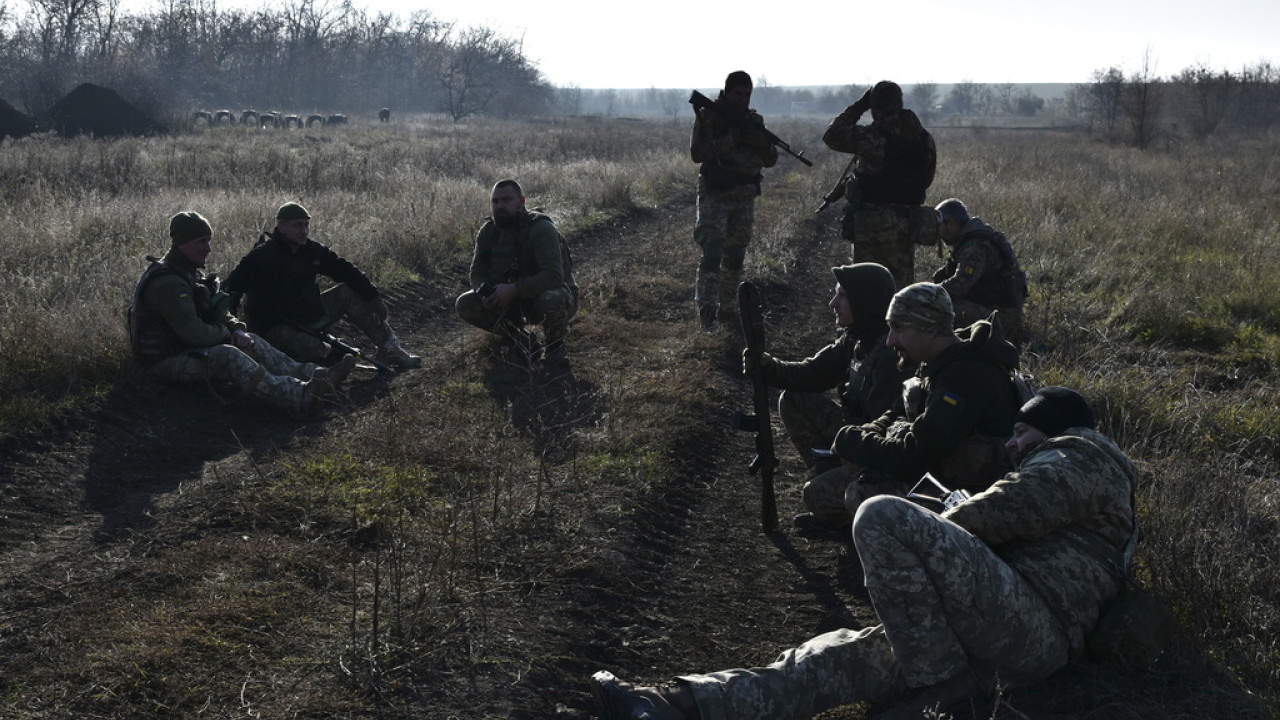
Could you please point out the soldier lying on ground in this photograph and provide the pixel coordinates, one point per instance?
(1000, 589)
(181, 329)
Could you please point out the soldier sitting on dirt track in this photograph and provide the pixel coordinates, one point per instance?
(285, 305)
(1001, 589)
(181, 329)
(521, 274)
(860, 364)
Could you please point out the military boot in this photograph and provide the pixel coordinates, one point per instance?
(336, 373)
(390, 353)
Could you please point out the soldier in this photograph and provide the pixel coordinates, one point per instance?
(181, 329)
(982, 274)
(863, 368)
(284, 304)
(521, 274)
(952, 417)
(1003, 588)
(731, 148)
(896, 159)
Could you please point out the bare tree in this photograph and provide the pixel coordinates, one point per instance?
(1105, 95)
(963, 98)
(1206, 96)
(1143, 103)
(923, 99)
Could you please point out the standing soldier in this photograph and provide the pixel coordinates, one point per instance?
(982, 275)
(181, 329)
(731, 146)
(896, 159)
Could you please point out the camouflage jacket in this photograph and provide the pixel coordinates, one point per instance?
(983, 268)
(531, 254)
(952, 419)
(897, 157)
(173, 311)
(1061, 520)
(865, 370)
(730, 153)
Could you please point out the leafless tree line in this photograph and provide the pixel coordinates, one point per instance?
(308, 55)
(1141, 108)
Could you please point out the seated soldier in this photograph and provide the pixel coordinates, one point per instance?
(982, 274)
(181, 329)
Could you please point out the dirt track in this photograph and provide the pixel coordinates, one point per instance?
(690, 582)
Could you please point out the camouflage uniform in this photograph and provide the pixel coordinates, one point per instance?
(951, 420)
(283, 301)
(982, 275)
(532, 255)
(731, 155)
(179, 333)
(896, 163)
(1005, 586)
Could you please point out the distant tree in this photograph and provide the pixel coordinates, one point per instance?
(1143, 103)
(1025, 103)
(1206, 96)
(1105, 95)
(923, 98)
(1259, 98)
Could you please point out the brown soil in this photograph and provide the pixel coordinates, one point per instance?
(93, 509)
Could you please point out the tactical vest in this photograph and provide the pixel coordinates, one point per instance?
(150, 335)
(905, 174)
(858, 386)
(1007, 287)
(516, 269)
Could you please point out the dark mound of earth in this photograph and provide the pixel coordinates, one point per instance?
(13, 123)
(99, 111)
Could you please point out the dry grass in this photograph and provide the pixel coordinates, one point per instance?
(1155, 279)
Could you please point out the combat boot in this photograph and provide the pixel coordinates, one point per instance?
(390, 353)
(620, 700)
(336, 373)
(316, 394)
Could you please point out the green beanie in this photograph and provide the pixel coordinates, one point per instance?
(292, 211)
(187, 226)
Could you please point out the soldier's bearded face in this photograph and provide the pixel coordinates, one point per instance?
(506, 204)
(739, 98)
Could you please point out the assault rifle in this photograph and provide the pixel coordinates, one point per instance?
(765, 461)
(838, 190)
(333, 342)
(702, 102)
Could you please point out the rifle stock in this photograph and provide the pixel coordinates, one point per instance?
(765, 461)
(702, 102)
(837, 191)
(334, 342)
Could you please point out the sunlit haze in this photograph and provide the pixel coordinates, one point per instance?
(669, 44)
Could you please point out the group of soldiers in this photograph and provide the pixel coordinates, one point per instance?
(183, 324)
(993, 575)
(994, 523)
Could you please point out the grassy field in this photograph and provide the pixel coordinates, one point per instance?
(1155, 290)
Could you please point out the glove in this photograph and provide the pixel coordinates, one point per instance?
(862, 104)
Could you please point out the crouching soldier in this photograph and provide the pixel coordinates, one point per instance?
(181, 329)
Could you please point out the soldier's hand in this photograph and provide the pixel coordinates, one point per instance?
(750, 367)
(862, 104)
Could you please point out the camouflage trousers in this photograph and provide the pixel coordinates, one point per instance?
(552, 310)
(723, 231)
(338, 301)
(947, 604)
(262, 372)
(883, 235)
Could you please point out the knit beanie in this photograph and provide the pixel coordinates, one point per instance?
(1054, 409)
(869, 287)
(292, 211)
(187, 226)
(924, 306)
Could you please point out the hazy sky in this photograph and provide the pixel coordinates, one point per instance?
(695, 43)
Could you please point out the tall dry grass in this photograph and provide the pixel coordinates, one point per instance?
(404, 201)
